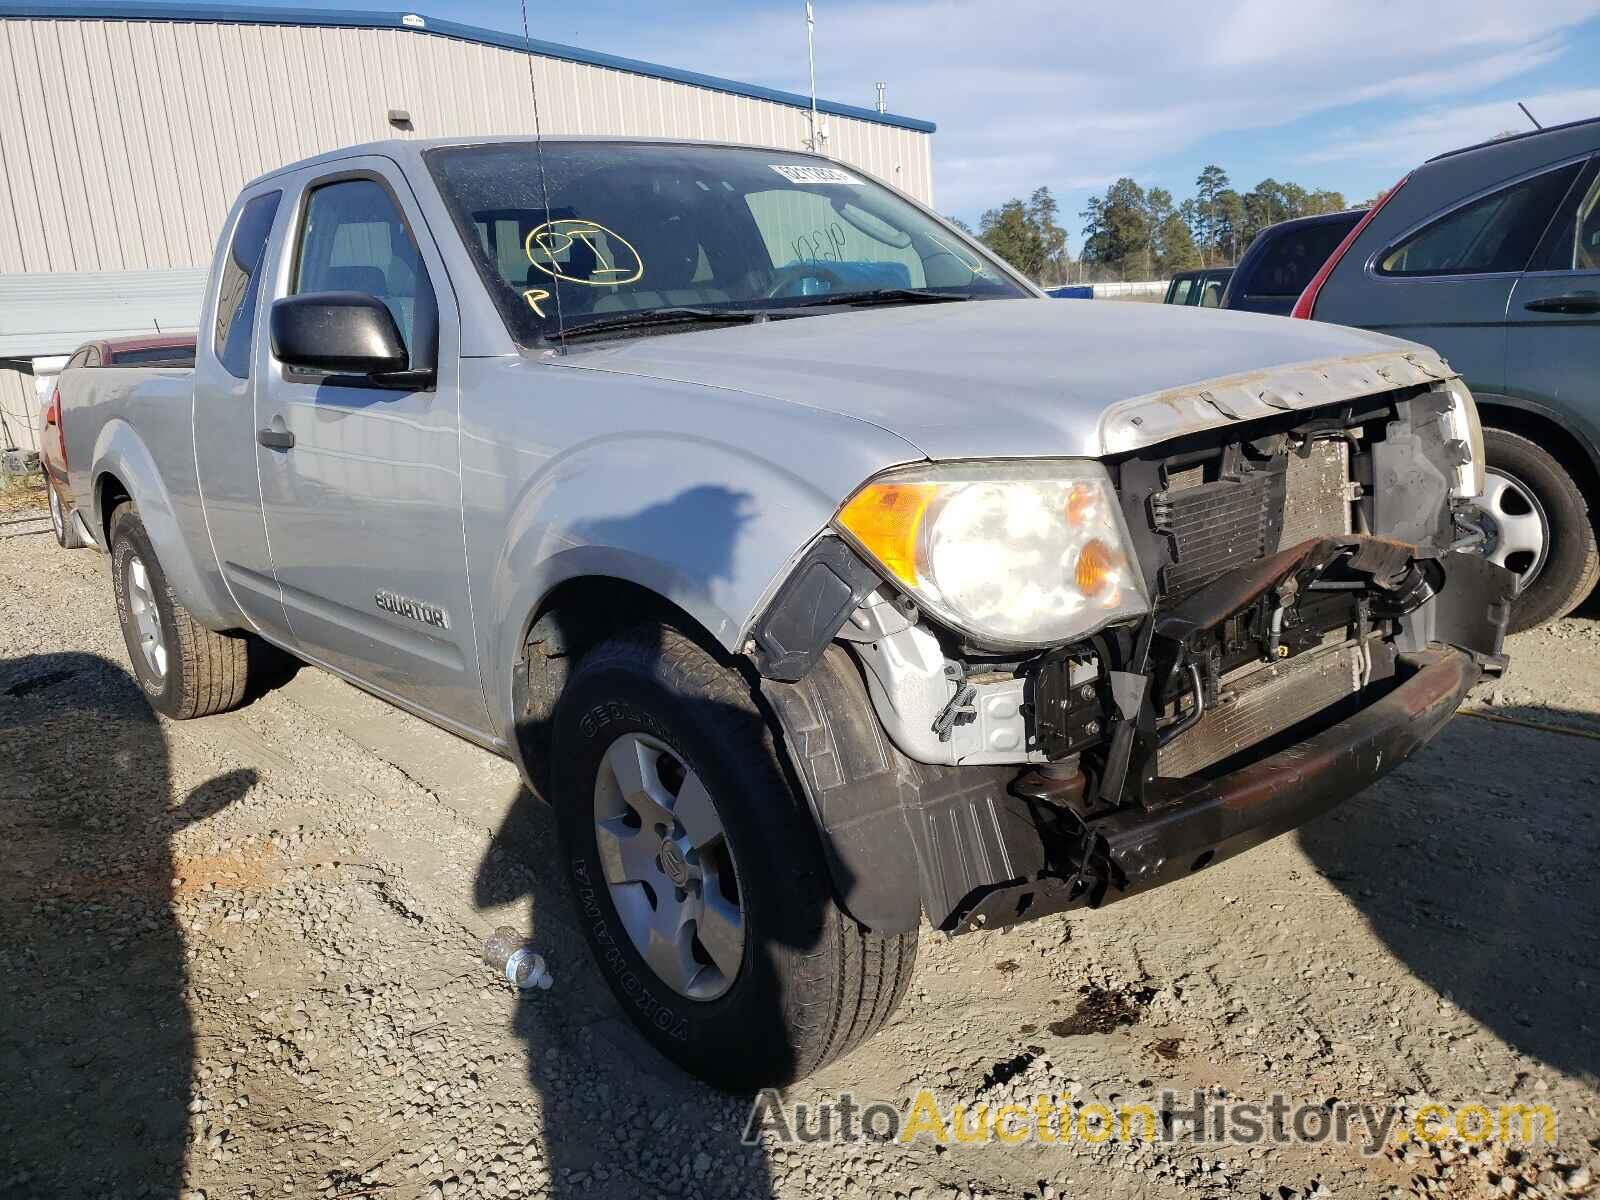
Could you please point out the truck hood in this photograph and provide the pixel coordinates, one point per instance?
(1018, 378)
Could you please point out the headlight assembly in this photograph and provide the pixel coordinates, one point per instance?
(1466, 429)
(1014, 554)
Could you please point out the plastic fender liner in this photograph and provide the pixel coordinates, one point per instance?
(899, 836)
(810, 606)
(1470, 612)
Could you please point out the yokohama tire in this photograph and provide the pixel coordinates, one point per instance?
(204, 672)
(810, 984)
(61, 522)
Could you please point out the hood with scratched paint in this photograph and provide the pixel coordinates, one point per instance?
(1015, 378)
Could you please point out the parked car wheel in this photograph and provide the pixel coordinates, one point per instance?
(1538, 526)
(697, 872)
(67, 535)
(185, 669)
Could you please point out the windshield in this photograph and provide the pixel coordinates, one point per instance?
(632, 228)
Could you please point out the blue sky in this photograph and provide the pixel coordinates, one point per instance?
(1344, 94)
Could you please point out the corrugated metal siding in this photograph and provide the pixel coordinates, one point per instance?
(122, 142)
(55, 313)
(19, 412)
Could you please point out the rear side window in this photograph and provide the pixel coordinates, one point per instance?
(155, 356)
(1289, 260)
(1494, 233)
(241, 284)
(1179, 292)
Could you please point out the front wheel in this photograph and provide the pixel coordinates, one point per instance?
(697, 872)
(1537, 526)
(185, 669)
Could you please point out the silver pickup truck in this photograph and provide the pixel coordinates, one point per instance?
(822, 575)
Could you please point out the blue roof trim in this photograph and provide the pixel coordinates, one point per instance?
(144, 10)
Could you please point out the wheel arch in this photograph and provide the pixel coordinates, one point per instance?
(125, 470)
(1571, 448)
(572, 617)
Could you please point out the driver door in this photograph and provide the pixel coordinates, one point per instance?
(361, 479)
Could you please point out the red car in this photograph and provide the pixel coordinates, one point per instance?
(167, 350)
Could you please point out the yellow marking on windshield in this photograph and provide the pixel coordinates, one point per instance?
(533, 296)
(543, 244)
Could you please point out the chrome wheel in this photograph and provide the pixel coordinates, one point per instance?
(58, 519)
(1516, 528)
(146, 619)
(667, 862)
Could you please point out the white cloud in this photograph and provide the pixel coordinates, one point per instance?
(1414, 139)
(1038, 91)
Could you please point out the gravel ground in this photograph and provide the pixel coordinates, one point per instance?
(240, 959)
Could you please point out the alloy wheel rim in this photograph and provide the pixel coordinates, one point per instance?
(57, 517)
(669, 867)
(146, 618)
(1516, 526)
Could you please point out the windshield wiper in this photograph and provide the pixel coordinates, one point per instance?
(881, 296)
(666, 316)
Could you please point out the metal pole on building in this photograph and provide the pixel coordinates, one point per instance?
(811, 58)
(883, 106)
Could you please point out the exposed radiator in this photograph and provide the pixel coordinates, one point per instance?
(1262, 699)
(1316, 502)
(1214, 528)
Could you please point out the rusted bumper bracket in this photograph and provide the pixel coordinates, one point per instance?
(1131, 851)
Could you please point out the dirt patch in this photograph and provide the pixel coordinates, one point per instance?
(252, 868)
(1101, 1010)
(1167, 1049)
(22, 494)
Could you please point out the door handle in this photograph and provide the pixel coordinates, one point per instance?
(1572, 302)
(275, 439)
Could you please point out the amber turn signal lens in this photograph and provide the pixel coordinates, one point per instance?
(1080, 504)
(886, 518)
(1095, 568)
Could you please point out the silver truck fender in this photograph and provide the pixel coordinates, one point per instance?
(120, 452)
(706, 526)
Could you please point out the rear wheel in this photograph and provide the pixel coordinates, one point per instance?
(66, 530)
(185, 669)
(1537, 526)
(697, 872)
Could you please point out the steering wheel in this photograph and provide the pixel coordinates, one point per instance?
(788, 277)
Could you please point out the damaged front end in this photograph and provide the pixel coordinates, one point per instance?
(1311, 613)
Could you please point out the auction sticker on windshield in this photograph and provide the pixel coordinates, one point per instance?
(799, 173)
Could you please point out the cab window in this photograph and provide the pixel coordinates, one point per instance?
(354, 239)
(1573, 243)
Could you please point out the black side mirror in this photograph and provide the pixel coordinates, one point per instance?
(337, 333)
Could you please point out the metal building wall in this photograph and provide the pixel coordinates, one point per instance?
(122, 142)
(19, 412)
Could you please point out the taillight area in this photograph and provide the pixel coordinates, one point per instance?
(52, 420)
(1306, 305)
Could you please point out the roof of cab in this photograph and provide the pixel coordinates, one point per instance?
(411, 150)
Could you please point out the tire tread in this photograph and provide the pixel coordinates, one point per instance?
(212, 669)
(844, 989)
